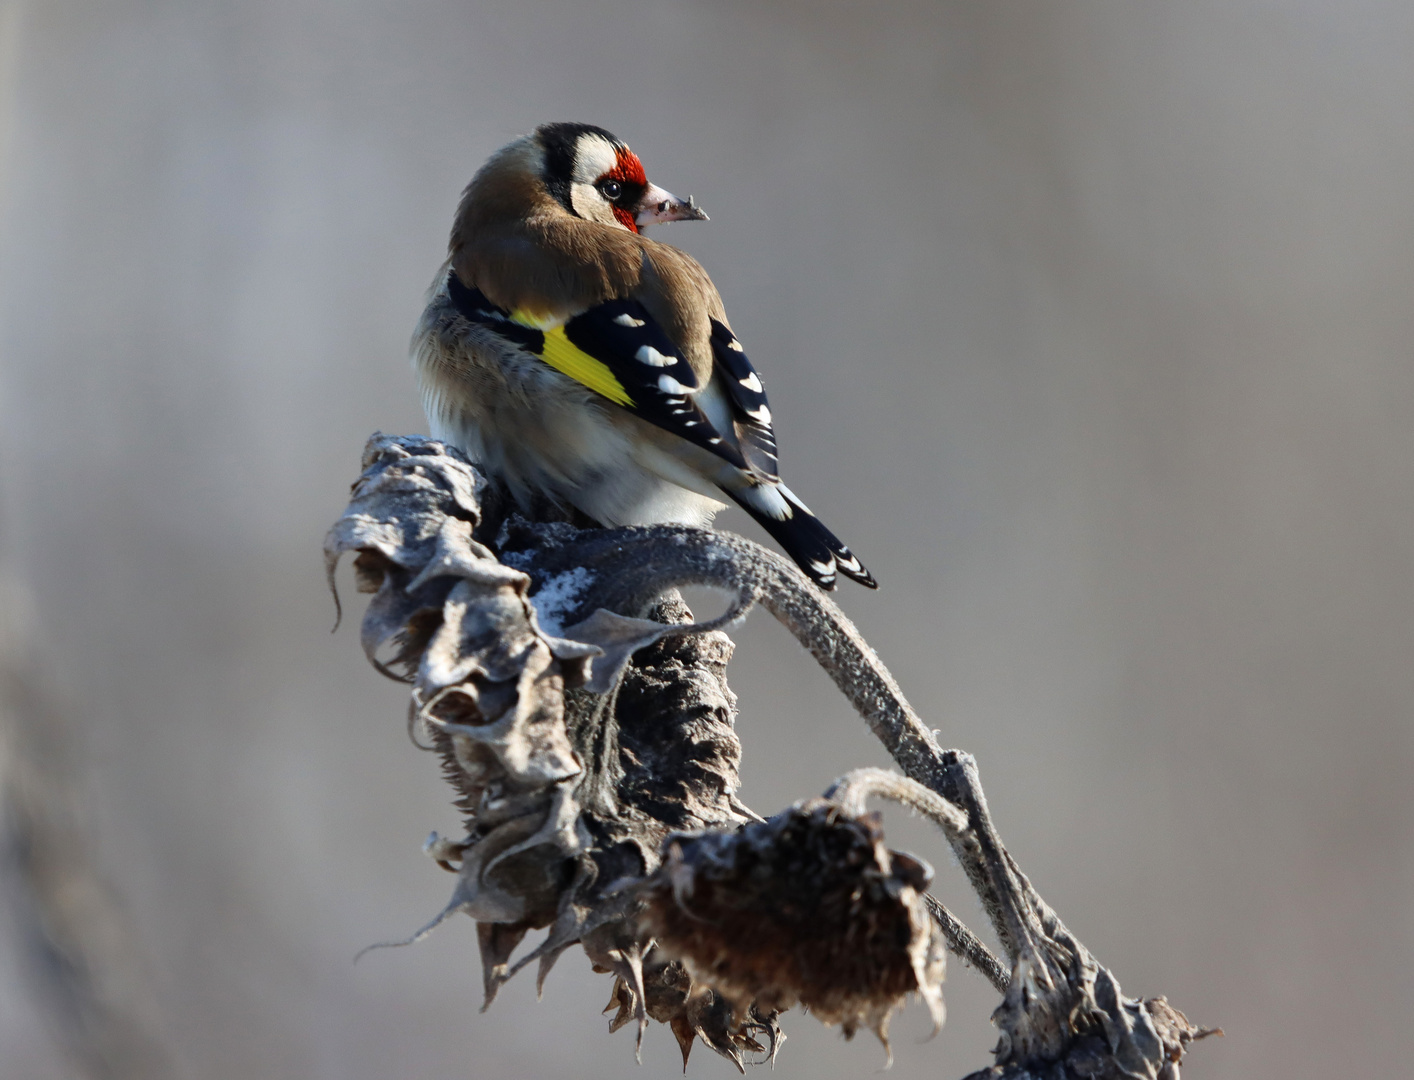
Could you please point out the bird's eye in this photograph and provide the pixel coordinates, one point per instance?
(612, 189)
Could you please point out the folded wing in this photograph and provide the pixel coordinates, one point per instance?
(619, 352)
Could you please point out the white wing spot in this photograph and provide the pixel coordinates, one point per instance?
(666, 383)
(761, 415)
(822, 568)
(627, 320)
(752, 383)
(735, 344)
(652, 357)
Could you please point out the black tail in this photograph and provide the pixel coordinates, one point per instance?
(804, 537)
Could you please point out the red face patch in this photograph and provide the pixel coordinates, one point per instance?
(628, 171)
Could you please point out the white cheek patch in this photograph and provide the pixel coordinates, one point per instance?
(590, 205)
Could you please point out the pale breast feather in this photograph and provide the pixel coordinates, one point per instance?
(619, 352)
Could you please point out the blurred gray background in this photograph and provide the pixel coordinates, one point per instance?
(1088, 325)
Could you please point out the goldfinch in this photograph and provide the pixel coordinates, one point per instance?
(572, 357)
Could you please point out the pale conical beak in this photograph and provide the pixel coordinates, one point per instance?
(658, 206)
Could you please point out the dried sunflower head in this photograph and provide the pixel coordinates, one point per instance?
(809, 907)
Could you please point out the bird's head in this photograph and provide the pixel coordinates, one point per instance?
(595, 176)
(576, 169)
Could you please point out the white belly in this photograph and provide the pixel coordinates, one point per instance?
(590, 466)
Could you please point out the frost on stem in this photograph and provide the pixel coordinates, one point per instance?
(584, 721)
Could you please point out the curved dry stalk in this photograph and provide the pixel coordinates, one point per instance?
(854, 789)
(633, 566)
(964, 943)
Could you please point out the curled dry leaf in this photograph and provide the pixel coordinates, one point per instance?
(487, 685)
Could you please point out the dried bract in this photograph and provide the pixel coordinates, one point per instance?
(1107, 1050)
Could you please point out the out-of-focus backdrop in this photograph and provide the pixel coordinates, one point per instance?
(1090, 326)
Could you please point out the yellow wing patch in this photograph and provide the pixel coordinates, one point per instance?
(569, 359)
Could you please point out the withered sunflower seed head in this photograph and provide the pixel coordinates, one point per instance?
(807, 908)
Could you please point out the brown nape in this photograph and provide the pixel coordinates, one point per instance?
(522, 249)
(550, 266)
(507, 188)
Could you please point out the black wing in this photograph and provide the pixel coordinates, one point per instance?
(750, 411)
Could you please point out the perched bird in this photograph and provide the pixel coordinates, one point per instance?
(572, 357)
